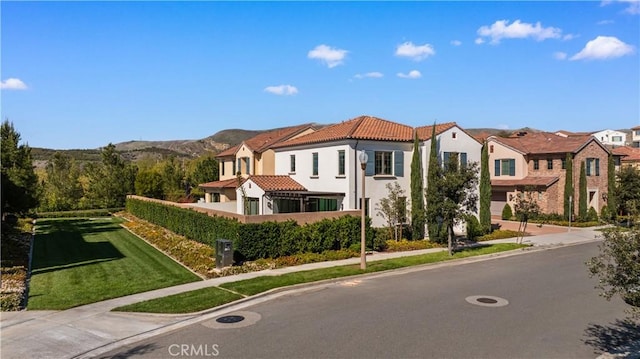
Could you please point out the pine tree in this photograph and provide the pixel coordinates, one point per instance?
(485, 190)
(19, 185)
(612, 199)
(568, 187)
(582, 200)
(417, 193)
(434, 196)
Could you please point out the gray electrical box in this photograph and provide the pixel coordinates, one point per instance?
(224, 253)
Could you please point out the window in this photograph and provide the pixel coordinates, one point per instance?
(292, 163)
(383, 163)
(222, 167)
(453, 135)
(253, 204)
(593, 167)
(462, 158)
(247, 162)
(536, 164)
(637, 133)
(239, 165)
(321, 204)
(505, 167)
(233, 167)
(549, 164)
(491, 149)
(341, 163)
(315, 164)
(285, 205)
(616, 138)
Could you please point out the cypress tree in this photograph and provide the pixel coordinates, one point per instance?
(485, 190)
(568, 187)
(417, 193)
(434, 196)
(612, 200)
(582, 200)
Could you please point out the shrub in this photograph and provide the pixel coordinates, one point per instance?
(592, 215)
(604, 213)
(406, 245)
(473, 227)
(507, 213)
(79, 214)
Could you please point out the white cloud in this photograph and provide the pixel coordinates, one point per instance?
(456, 42)
(602, 48)
(282, 90)
(369, 75)
(568, 37)
(633, 6)
(415, 52)
(604, 22)
(479, 41)
(501, 29)
(559, 55)
(332, 57)
(413, 74)
(13, 84)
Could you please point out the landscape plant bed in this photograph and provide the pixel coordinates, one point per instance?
(82, 261)
(500, 234)
(182, 303)
(14, 263)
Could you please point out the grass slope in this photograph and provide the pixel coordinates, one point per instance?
(81, 261)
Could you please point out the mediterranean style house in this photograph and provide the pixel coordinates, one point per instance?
(627, 156)
(635, 137)
(538, 161)
(611, 137)
(251, 157)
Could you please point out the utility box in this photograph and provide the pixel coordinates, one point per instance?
(224, 253)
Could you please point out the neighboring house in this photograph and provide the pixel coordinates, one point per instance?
(611, 137)
(538, 161)
(626, 156)
(253, 156)
(635, 137)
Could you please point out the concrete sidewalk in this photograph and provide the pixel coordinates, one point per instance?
(78, 331)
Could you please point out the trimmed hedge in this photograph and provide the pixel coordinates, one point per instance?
(252, 241)
(191, 224)
(106, 212)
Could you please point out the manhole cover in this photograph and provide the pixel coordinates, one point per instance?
(229, 319)
(487, 301)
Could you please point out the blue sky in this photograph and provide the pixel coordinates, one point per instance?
(83, 74)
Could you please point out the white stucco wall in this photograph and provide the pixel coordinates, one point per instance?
(607, 137)
(328, 179)
(251, 190)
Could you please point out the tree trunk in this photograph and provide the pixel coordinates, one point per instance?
(450, 239)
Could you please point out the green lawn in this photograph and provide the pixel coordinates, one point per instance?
(81, 261)
(198, 300)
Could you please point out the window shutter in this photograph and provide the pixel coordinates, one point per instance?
(371, 163)
(239, 166)
(597, 167)
(497, 168)
(463, 159)
(588, 166)
(512, 167)
(398, 163)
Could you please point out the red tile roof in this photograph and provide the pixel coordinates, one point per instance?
(360, 128)
(263, 141)
(628, 154)
(527, 181)
(229, 183)
(545, 142)
(635, 128)
(424, 132)
(276, 183)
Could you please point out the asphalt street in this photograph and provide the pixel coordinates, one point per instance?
(538, 305)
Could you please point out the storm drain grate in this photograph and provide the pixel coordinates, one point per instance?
(230, 319)
(487, 301)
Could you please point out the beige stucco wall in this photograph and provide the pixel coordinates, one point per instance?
(502, 152)
(268, 163)
(227, 163)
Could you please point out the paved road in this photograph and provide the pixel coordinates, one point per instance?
(552, 312)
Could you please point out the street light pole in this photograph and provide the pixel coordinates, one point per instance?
(363, 260)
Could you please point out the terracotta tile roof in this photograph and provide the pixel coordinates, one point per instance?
(628, 154)
(361, 128)
(635, 128)
(263, 141)
(564, 133)
(424, 132)
(527, 181)
(229, 183)
(276, 183)
(545, 142)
